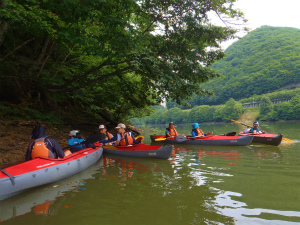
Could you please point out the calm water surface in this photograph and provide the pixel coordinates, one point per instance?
(256, 184)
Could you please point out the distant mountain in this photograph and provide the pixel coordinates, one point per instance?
(265, 60)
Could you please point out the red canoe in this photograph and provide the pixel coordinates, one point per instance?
(40, 171)
(140, 150)
(207, 140)
(265, 138)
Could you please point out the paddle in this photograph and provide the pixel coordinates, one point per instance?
(177, 139)
(284, 139)
(228, 134)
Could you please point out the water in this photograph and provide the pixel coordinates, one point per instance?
(255, 184)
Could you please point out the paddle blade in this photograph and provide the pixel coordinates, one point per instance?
(160, 139)
(287, 140)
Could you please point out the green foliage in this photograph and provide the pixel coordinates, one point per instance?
(204, 113)
(265, 60)
(110, 57)
(265, 108)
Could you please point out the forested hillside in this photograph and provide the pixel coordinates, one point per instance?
(265, 60)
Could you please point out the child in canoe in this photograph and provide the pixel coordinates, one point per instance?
(197, 132)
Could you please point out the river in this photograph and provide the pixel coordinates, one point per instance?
(255, 184)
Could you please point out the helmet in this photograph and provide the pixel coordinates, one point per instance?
(255, 123)
(73, 133)
(195, 125)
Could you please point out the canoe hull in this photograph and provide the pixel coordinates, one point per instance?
(209, 140)
(141, 151)
(42, 171)
(268, 139)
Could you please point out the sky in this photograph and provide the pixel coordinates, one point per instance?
(276, 13)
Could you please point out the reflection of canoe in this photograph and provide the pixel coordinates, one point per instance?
(265, 138)
(40, 198)
(207, 140)
(140, 150)
(41, 171)
(140, 164)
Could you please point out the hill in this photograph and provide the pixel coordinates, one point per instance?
(264, 61)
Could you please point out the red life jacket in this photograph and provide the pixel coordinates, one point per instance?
(39, 149)
(125, 139)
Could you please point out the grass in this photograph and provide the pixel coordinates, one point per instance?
(249, 115)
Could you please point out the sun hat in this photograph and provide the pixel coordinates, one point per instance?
(121, 125)
(195, 125)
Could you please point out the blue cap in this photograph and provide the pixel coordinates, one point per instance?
(195, 125)
(171, 123)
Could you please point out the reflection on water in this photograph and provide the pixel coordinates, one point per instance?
(256, 184)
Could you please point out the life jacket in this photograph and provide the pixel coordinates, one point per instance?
(108, 135)
(199, 132)
(173, 132)
(253, 129)
(125, 139)
(39, 149)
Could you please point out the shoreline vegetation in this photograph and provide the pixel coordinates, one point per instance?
(225, 113)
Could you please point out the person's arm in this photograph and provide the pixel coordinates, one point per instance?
(109, 140)
(28, 153)
(194, 133)
(60, 153)
(209, 133)
(168, 133)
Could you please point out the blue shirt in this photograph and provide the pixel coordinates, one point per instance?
(75, 141)
(253, 129)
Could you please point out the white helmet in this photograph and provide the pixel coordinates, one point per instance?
(255, 123)
(73, 133)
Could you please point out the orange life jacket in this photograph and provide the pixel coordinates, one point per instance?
(125, 139)
(108, 135)
(40, 150)
(199, 132)
(173, 132)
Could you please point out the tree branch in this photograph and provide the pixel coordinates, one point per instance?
(20, 46)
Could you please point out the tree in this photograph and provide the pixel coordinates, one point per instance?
(265, 107)
(109, 56)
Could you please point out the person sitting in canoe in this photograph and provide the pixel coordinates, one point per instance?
(75, 140)
(43, 146)
(103, 130)
(197, 132)
(171, 131)
(123, 138)
(255, 129)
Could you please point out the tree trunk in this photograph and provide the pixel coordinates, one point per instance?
(3, 24)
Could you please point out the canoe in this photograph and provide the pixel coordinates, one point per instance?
(140, 150)
(40, 199)
(265, 138)
(207, 140)
(40, 171)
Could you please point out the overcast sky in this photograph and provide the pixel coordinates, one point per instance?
(276, 13)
